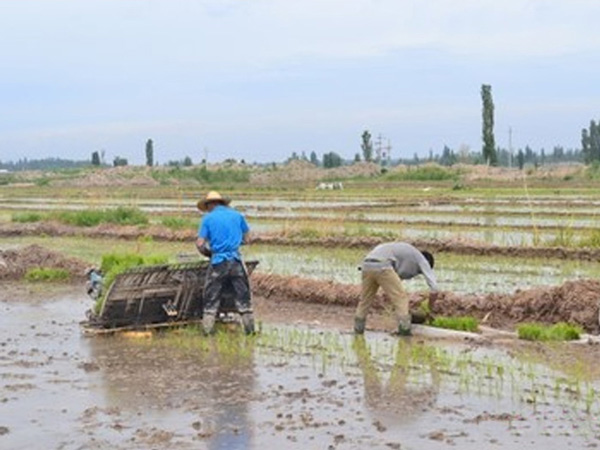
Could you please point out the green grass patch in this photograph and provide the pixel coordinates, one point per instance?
(423, 173)
(47, 274)
(6, 179)
(593, 171)
(201, 174)
(558, 332)
(91, 217)
(465, 323)
(177, 223)
(592, 239)
(27, 217)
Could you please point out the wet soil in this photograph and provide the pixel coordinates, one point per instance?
(61, 390)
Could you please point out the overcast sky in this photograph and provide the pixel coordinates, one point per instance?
(260, 79)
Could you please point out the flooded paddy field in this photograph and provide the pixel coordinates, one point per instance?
(292, 386)
(501, 220)
(465, 274)
(304, 381)
(489, 234)
(457, 273)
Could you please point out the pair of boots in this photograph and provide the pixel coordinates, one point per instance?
(403, 325)
(208, 323)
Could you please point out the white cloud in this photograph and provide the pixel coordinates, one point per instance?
(215, 34)
(105, 70)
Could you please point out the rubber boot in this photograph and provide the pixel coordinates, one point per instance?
(404, 326)
(248, 323)
(208, 323)
(359, 325)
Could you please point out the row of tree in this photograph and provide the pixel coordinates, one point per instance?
(504, 157)
(490, 154)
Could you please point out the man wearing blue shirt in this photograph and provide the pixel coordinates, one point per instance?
(221, 232)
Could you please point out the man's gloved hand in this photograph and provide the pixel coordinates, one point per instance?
(205, 249)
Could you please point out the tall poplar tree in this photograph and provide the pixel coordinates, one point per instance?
(149, 153)
(489, 145)
(590, 143)
(367, 146)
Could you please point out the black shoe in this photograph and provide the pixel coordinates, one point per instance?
(359, 325)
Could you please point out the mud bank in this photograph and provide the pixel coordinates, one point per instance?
(14, 264)
(574, 302)
(435, 245)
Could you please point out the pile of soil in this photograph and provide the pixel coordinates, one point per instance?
(112, 176)
(128, 232)
(303, 172)
(575, 302)
(14, 264)
(482, 172)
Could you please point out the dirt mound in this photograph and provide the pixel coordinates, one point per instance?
(303, 172)
(574, 302)
(14, 264)
(304, 290)
(113, 176)
(483, 172)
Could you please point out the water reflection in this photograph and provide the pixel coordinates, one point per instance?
(207, 383)
(411, 388)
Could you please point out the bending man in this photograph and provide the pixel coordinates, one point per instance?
(221, 232)
(385, 266)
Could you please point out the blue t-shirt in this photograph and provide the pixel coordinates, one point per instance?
(224, 229)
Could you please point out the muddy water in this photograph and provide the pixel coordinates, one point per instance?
(290, 387)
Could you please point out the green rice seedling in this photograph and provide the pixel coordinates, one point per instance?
(115, 263)
(590, 397)
(565, 237)
(47, 274)
(465, 323)
(27, 217)
(558, 332)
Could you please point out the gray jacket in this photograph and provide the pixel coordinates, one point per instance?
(406, 260)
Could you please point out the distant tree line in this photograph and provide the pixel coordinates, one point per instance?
(42, 164)
(504, 157)
(490, 154)
(329, 160)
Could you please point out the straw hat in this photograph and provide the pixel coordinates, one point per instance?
(212, 196)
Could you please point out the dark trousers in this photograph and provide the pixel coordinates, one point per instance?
(217, 277)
